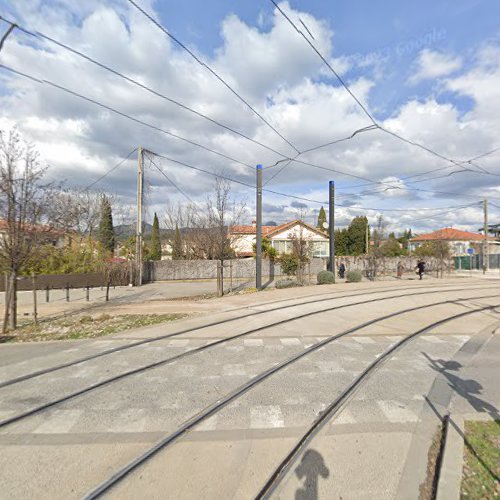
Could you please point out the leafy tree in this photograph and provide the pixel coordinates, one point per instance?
(341, 243)
(356, 236)
(391, 248)
(177, 252)
(321, 218)
(405, 238)
(268, 251)
(155, 244)
(106, 233)
(289, 264)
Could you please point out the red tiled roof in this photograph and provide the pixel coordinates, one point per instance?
(449, 234)
(253, 230)
(270, 230)
(41, 228)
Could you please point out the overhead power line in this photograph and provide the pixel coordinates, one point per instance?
(212, 71)
(121, 113)
(38, 34)
(112, 169)
(162, 172)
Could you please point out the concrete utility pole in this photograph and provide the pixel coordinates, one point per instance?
(486, 257)
(331, 229)
(138, 229)
(258, 240)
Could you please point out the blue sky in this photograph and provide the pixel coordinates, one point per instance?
(429, 71)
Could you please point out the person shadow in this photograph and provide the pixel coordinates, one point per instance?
(470, 390)
(311, 468)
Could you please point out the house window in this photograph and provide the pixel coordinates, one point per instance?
(320, 249)
(282, 246)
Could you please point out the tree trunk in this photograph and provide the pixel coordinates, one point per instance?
(7, 304)
(13, 301)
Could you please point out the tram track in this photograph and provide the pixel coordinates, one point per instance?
(141, 342)
(196, 350)
(243, 389)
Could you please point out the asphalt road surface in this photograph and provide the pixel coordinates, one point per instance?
(325, 392)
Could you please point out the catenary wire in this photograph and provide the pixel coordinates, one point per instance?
(112, 169)
(38, 34)
(121, 113)
(212, 71)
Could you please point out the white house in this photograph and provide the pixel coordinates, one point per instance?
(243, 238)
(459, 241)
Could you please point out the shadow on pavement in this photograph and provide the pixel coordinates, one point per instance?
(468, 389)
(311, 468)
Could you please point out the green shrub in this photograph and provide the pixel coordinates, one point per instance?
(287, 283)
(289, 264)
(353, 276)
(325, 277)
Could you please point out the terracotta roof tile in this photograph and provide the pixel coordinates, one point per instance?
(449, 234)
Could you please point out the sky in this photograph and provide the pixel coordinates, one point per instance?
(427, 71)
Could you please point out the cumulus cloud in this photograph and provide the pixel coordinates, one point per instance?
(431, 64)
(275, 70)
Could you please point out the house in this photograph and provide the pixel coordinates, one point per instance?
(459, 241)
(243, 238)
(43, 234)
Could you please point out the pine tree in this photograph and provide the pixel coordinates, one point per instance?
(106, 233)
(155, 245)
(321, 218)
(177, 253)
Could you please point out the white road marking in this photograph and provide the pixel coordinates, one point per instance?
(433, 339)
(396, 412)
(266, 417)
(210, 424)
(364, 340)
(290, 341)
(345, 417)
(60, 421)
(253, 342)
(179, 342)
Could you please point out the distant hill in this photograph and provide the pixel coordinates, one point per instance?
(125, 231)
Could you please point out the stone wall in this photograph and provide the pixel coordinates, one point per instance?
(165, 270)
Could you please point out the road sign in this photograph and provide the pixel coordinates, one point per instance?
(470, 251)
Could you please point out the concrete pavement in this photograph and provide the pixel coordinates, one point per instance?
(69, 449)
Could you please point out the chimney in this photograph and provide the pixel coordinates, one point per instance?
(254, 223)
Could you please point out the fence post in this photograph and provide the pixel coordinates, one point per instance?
(47, 296)
(87, 293)
(35, 311)
(107, 291)
(67, 292)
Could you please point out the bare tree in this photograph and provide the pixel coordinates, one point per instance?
(377, 238)
(23, 206)
(301, 246)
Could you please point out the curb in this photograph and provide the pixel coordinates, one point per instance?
(450, 475)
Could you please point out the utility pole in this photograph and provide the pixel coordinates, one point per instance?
(331, 228)
(138, 229)
(258, 240)
(486, 257)
(367, 238)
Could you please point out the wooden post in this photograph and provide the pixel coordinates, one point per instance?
(107, 291)
(87, 293)
(35, 310)
(67, 292)
(47, 293)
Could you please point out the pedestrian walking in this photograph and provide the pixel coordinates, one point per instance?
(420, 268)
(400, 270)
(342, 270)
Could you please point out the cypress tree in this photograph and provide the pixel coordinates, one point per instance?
(177, 245)
(106, 233)
(321, 218)
(356, 236)
(155, 245)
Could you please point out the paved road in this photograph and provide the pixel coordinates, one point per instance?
(368, 451)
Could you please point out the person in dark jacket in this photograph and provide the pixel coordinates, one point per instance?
(342, 270)
(420, 268)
